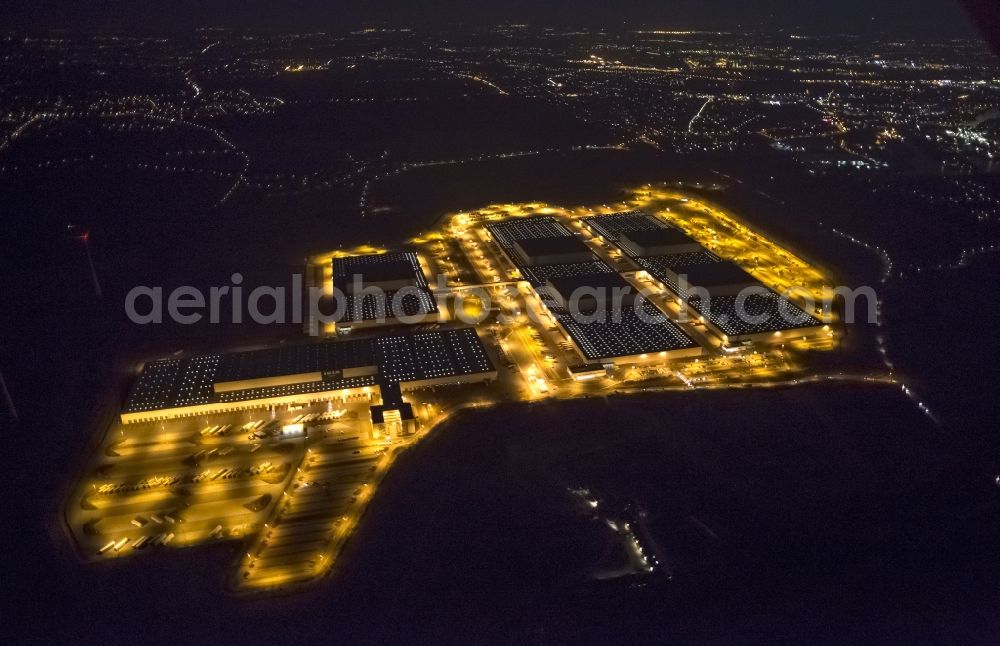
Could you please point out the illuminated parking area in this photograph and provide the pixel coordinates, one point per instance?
(325, 499)
(160, 485)
(282, 444)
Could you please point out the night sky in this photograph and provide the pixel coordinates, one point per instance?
(929, 18)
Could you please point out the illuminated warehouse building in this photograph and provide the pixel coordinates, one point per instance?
(308, 372)
(381, 290)
(564, 271)
(732, 303)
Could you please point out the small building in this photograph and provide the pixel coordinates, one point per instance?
(657, 242)
(393, 417)
(393, 420)
(587, 372)
(553, 250)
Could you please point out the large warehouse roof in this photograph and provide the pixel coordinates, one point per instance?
(293, 359)
(431, 355)
(553, 245)
(757, 313)
(765, 311)
(375, 272)
(174, 383)
(389, 305)
(653, 238)
(629, 335)
(606, 284)
(396, 265)
(613, 225)
(717, 274)
(404, 287)
(508, 232)
(623, 332)
(676, 261)
(537, 276)
(552, 250)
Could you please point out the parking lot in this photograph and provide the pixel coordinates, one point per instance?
(196, 480)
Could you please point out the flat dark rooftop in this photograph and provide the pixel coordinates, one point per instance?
(397, 270)
(392, 394)
(378, 412)
(716, 274)
(553, 246)
(566, 285)
(538, 274)
(397, 265)
(658, 237)
(508, 232)
(293, 359)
